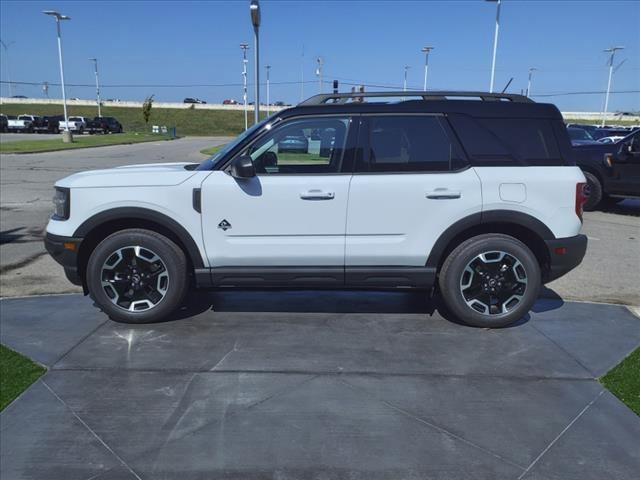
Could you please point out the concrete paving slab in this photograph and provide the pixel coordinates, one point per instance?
(45, 328)
(322, 343)
(531, 413)
(40, 438)
(596, 335)
(321, 429)
(149, 409)
(602, 443)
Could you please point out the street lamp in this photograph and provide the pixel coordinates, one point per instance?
(319, 71)
(531, 70)
(611, 51)
(495, 44)
(268, 67)
(95, 67)
(426, 51)
(6, 46)
(66, 134)
(244, 47)
(254, 8)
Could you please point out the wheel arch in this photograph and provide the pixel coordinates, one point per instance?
(97, 228)
(526, 228)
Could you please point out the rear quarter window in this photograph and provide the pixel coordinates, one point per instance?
(504, 141)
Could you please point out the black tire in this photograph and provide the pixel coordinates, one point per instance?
(453, 273)
(114, 249)
(81, 131)
(593, 189)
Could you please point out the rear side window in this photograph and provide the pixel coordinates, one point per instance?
(500, 141)
(411, 143)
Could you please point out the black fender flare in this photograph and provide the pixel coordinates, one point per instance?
(506, 217)
(144, 214)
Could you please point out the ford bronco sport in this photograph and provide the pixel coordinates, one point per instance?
(472, 197)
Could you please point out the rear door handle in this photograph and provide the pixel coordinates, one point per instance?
(443, 194)
(317, 194)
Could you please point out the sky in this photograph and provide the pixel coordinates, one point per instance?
(149, 47)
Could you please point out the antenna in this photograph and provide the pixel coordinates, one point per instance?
(507, 85)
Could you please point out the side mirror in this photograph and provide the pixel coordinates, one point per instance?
(242, 167)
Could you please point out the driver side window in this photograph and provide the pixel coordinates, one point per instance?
(312, 145)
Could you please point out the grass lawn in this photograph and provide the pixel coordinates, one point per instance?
(610, 121)
(187, 122)
(79, 141)
(624, 381)
(16, 374)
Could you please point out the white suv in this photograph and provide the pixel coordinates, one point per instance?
(472, 197)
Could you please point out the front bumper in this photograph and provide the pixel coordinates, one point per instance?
(64, 250)
(565, 254)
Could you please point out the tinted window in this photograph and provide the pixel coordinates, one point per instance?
(313, 145)
(508, 140)
(409, 144)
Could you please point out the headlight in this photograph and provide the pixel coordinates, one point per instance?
(61, 203)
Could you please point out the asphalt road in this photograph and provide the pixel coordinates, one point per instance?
(609, 272)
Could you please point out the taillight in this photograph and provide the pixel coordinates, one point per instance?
(581, 199)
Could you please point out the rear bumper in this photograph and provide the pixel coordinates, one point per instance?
(565, 254)
(64, 250)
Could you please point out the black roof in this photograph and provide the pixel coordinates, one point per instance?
(476, 104)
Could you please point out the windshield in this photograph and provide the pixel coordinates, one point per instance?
(211, 162)
(579, 134)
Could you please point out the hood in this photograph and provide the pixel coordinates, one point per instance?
(144, 175)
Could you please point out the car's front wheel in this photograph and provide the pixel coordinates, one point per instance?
(490, 280)
(137, 276)
(593, 191)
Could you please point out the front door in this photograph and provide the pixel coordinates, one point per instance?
(627, 172)
(290, 218)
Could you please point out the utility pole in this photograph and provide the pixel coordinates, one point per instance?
(268, 67)
(254, 9)
(319, 71)
(245, 47)
(531, 70)
(6, 46)
(426, 51)
(495, 44)
(95, 67)
(612, 51)
(67, 136)
(404, 85)
(45, 89)
(302, 75)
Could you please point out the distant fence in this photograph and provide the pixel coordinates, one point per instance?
(90, 103)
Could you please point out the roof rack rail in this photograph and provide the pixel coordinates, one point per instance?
(324, 98)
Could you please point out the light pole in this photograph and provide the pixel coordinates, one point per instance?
(319, 71)
(254, 7)
(244, 47)
(495, 44)
(611, 51)
(404, 85)
(6, 46)
(268, 67)
(426, 51)
(95, 67)
(531, 70)
(67, 137)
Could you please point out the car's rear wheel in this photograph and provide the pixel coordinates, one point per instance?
(137, 276)
(490, 280)
(593, 192)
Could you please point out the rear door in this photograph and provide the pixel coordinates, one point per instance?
(411, 183)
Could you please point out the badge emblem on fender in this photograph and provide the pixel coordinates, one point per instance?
(224, 225)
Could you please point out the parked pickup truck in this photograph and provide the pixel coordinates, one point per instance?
(75, 124)
(103, 125)
(39, 124)
(19, 124)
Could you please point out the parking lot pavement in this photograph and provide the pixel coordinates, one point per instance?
(26, 182)
(247, 385)
(22, 137)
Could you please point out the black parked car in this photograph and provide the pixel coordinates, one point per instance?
(580, 136)
(104, 125)
(612, 170)
(4, 124)
(193, 100)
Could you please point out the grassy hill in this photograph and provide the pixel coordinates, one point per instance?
(186, 121)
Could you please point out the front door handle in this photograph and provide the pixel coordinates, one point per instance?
(443, 194)
(317, 195)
